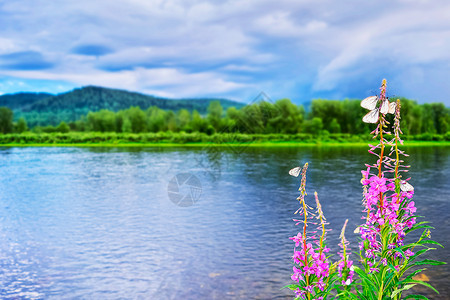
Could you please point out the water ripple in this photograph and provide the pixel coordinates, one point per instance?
(98, 223)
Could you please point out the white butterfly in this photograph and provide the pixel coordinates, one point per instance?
(295, 171)
(406, 187)
(371, 116)
(392, 108)
(370, 103)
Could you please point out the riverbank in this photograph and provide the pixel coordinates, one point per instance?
(167, 139)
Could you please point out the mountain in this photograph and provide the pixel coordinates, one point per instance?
(45, 109)
(21, 100)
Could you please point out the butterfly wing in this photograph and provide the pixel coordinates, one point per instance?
(370, 102)
(384, 107)
(295, 171)
(392, 107)
(406, 187)
(371, 116)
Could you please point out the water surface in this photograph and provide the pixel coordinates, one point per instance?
(98, 223)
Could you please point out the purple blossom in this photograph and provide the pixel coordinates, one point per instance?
(409, 253)
(378, 185)
(298, 239)
(311, 264)
(297, 276)
(410, 208)
(388, 214)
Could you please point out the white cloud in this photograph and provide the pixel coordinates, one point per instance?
(411, 36)
(140, 79)
(7, 46)
(239, 68)
(156, 45)
(281, 24)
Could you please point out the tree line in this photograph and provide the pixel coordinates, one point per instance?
(283, 117)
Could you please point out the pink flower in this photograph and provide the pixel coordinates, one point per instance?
(365, 180)
(391, 186)
(298, 257)
(377, 184)
(297, 276)
(297, 239)
(410, 208)
(300, 294)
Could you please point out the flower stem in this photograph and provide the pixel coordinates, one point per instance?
(380, 173)
(381, 124)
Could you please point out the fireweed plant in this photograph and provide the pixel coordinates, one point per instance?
(387, 265)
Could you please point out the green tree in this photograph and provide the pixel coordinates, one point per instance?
(440, 115)
(334, 126)
(137, 118)
(428, 124)
(6, 120)
(63, 127)
(250, 119)
(327, 110)
(215, 112)
(103, 121)
(288, 117)
(171, 121)
(411, 116)
(156, 119)
(268, 112)
(21, 125)
(210, 130)
(198, 124)
(230, 119)
(314, 126)
(81, 124)
(126, 125)
(183, 119)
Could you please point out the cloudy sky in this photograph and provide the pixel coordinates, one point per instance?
(299, 49)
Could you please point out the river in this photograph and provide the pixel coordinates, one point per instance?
(117, 223)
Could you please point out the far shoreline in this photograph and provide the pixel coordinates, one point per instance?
(267, 144)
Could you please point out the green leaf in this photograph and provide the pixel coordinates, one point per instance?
(399, 249)
(424, 242)
(416, 297)
(422, 283)
(388, 278)
(418, 253)
(418, 227)
(369, 288)
(364, 276)
(420, 223)
(360, 295)
(352, 296)
(291, 286)
(406, 287)
(430, 262)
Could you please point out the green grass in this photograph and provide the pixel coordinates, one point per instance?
(169, 139)
(211, 144)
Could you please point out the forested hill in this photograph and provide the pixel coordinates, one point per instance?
(20, 101)
(45, 109)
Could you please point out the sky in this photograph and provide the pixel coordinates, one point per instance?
(296, 49)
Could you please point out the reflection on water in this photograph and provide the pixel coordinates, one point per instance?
(98, 223)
